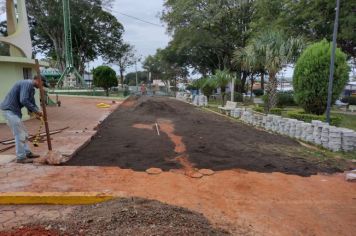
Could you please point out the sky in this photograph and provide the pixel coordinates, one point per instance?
(146, 38)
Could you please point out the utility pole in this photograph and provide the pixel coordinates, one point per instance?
(332, 63)
(136, 75)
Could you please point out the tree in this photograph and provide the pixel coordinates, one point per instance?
(204, 86)
(130, 78)
(312, 20)
(162, 66)
(221, 79)
(92, 29)
(205, 33)
(121, 54)
(104, 77)
(252, 61)
(311, 77)
(278, 51)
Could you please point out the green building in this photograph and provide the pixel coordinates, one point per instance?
(16, 61)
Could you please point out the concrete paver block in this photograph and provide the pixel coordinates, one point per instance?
(4, 159)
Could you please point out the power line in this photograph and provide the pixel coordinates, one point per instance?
(134, 17)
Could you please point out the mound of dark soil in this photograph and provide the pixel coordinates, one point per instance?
(211, 141)
(154, 108)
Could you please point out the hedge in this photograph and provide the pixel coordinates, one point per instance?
(276, 111)
(334, 120)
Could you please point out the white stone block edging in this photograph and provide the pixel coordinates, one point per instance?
(316, 132)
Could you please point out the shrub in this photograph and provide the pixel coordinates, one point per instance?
(237, 97)
(350, 100)
(276, 111)
(207, 90)
(258, 92)
(285, 99)
(104, 77)
(311, 77)
(258, 109)
(334, 120)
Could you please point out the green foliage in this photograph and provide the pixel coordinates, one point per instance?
(163, 66)
(350, 100)
(220, 79)
(258, 92)
(285, 99)
(95, 32)
(130, 78)
(277, 51)
(334, 120)
(205, 33)
(238, 97)
(311, 77)
(312, 20)
(276, 111)
(104, 77)
(258, 109)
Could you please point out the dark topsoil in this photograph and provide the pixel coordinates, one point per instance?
(133, 216)
(212, 141)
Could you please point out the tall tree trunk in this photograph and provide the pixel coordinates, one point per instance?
(107, 92)
(223, 94)
(122, 78)
(263, 81)
(272, 91)
(252, 83)
(240, 88)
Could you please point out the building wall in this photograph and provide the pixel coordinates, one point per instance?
(10, 73)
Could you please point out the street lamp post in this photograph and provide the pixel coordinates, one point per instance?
(332, 63)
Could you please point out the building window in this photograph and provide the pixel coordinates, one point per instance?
(27, 73)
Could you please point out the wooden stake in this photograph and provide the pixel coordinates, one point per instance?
(43, 104)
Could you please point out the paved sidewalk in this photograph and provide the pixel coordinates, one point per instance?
(79, 114)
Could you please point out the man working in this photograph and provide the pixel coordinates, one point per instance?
(21, 95)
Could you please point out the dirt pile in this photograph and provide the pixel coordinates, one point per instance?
(134, 216)
(211, 142)
(154, 108)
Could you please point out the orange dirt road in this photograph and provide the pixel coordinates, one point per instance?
(265, 204)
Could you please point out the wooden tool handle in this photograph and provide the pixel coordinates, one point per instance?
(43, 105)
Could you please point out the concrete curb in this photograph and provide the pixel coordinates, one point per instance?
(56, 198)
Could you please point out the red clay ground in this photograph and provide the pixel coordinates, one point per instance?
(190, 138)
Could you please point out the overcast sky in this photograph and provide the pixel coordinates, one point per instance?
(146, 38)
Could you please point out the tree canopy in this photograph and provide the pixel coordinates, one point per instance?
(95, 32)
(104, 77)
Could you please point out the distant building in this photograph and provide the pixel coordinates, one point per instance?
(350, 89)
(88, 78)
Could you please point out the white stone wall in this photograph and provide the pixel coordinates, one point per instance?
(198, 100)
(316, 132)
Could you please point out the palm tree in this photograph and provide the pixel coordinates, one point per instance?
(249, 61)
(277, 51)
(221, 79)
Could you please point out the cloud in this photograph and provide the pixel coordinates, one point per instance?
(146, 38)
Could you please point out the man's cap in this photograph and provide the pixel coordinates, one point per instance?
(44, 81)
